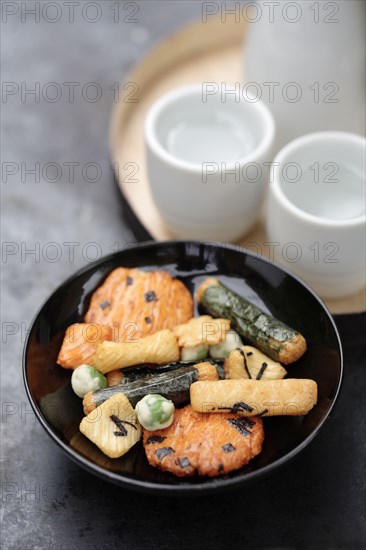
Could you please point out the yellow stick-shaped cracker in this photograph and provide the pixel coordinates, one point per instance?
(249, 362)
(160, 348)
(290, 397)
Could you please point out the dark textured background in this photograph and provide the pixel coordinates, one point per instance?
(47, 501)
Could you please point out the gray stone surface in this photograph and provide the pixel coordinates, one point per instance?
(42, 215)
(47, 501)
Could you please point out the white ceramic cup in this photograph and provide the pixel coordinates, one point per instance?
(316, 211)
(207, 159)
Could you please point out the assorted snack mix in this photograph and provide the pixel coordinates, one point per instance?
(193, 389)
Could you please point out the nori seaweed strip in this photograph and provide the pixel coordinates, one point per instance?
(164, 451)
(237, 407)
(228, 448)
(118, 422)
(241, 406)
(150, 296)
(264, 331)
(243, 425)
(155, 439)
(173, 385)
(262, 369)
(140, 372)
(129, 423)
(120, 426)
(245, 362)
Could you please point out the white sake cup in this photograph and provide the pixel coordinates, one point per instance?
(207, 160)
(316, 211)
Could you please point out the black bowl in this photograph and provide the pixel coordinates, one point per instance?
(262, 282)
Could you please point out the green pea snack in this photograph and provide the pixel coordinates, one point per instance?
(197, 353)
(154, 412)
(86, 378)
(223, 349)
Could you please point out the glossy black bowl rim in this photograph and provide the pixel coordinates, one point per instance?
(217, 484)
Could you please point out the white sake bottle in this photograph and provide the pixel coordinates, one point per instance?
(306, 60)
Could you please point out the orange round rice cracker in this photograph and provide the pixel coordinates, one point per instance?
(138, 303)
(204, 443)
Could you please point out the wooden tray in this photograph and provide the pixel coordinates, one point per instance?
(200, 52)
